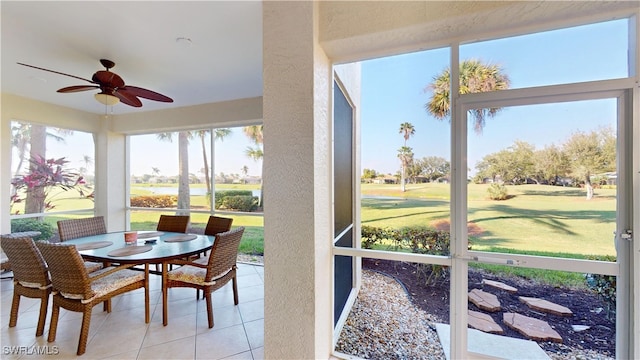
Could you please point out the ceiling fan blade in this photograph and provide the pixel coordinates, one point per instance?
(77, 88)
(57, 72)
(128, 98)
(108, 78)
(147, 94)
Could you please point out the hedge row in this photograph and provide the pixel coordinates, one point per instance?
(419, 240)
(46, 230)
(240, 200)
(154, 201)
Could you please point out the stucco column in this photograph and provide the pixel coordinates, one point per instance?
(297, 173)
(112, 171)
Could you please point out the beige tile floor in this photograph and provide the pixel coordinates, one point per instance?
(122, 334)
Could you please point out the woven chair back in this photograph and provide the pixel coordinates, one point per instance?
(75, 228)
(217, 224)
(173, 223)
(224, 252)
(27, 263)
(66, 266)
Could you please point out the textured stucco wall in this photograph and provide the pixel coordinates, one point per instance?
(355, 30)
(296, 184)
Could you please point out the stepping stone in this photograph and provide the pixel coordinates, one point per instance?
(531, 328)
(578, 328)
(484, 300)
(499, 285)
(546, 306)
(484, 322)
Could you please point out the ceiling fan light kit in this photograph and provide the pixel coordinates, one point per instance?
(106, 99)
(112, 88)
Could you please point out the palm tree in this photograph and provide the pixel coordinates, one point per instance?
(220, 134)
(475, 77)
(245, 171)
(407, 130)
(405, 154)
(255, 133)
(184, 199)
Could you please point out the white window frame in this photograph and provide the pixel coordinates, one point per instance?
(627, 91)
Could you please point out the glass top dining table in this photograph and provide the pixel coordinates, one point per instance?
(151, 247)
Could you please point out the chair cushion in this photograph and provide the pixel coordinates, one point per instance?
(193, 275)
(108, 283)
(92, 267)
(33, 285)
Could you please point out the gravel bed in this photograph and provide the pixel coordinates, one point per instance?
(384, 324)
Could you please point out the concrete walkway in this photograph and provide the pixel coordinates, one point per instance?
(494, 346)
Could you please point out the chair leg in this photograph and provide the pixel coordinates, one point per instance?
(106, 306)
(84, 331)
(165, 320)
(15, 305)
(146, 293)
(209, 307)
(44, 303)
(53, 327)
(235, 289)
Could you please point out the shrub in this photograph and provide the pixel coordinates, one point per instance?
(154, 201)
(240, 203)
(241, 200)
(46, 230)
(604, 286)
(497, 192)
(420, 240)
(374, 235)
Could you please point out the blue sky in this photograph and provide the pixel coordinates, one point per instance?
(393, 93)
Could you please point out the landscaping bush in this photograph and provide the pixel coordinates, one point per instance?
(154, 201)
(604, 285)
(374, 235)
(420, 240)
(497, 192)
(240, 203)
(241, 200)
(46, 230)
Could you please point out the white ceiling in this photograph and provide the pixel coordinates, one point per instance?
(223, 62)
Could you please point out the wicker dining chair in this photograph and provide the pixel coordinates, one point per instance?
(173, 223)
(74, 228)
(75, 289)
(220, 268)
(5, 265)
(30, 276)
(215, 225)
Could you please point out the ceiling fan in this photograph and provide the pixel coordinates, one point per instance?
(112, 87)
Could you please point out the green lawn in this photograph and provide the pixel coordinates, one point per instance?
(540, 218)
(546, 219)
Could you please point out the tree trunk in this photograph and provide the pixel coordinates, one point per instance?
(587, 184)
(207, 179)
(34, 202)
(184, 200)
(402, 179)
